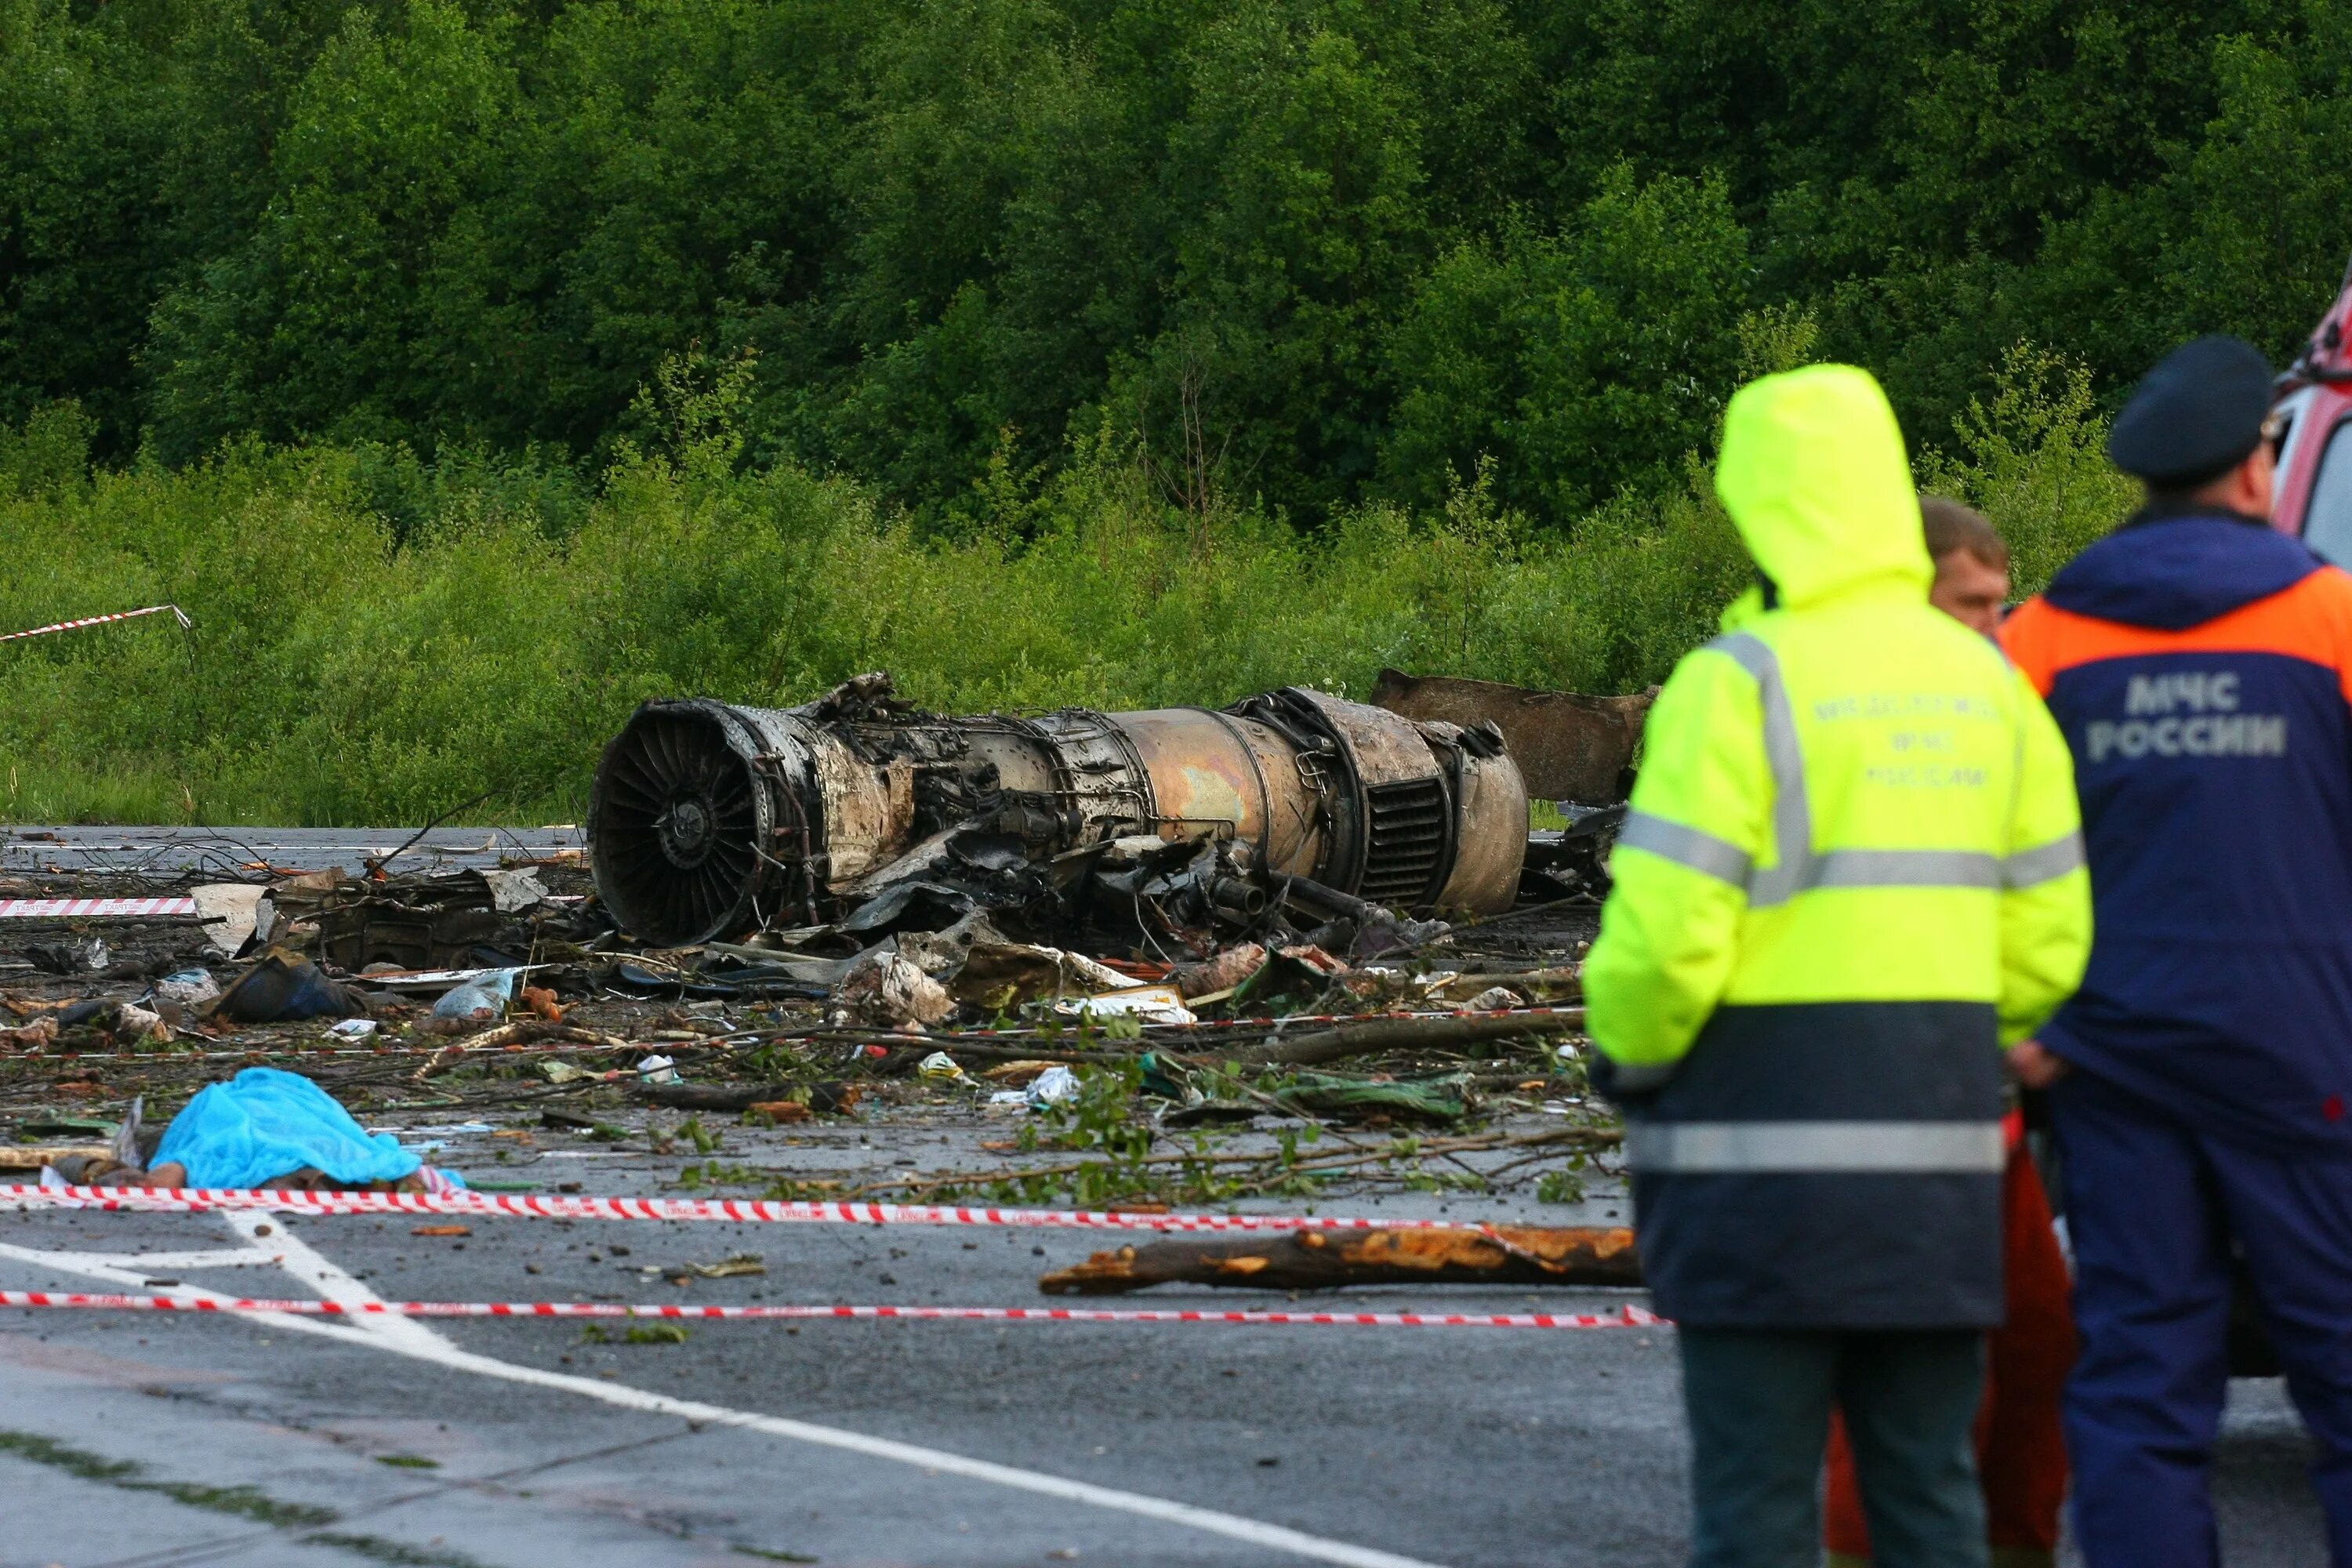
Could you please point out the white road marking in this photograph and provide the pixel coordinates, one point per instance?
(101, 1266)
(155, 1263)
(409, 1337)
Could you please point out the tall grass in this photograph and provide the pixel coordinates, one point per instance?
(379, 641)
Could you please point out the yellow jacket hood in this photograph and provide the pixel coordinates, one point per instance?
(1813, 474)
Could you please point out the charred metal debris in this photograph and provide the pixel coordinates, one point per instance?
(1171, 826)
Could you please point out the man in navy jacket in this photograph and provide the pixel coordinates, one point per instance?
(2200, 665)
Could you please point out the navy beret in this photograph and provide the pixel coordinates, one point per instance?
(2196, 415)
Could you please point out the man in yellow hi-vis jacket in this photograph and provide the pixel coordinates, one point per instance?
(1852, 872)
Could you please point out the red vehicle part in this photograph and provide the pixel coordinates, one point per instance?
(2313, 499)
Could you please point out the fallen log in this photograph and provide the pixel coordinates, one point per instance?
(1403, 1034)
(1319, 1261)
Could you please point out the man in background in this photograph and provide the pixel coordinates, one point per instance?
(1971, 561)
(2200, 665)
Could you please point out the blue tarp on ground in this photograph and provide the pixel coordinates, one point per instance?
(264, 1123)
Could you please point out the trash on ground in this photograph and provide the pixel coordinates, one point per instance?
(885, 987)
(73, 955)
(484, 997)
(188, 988)
(1055, 1086)
(941, 1068)
(1144, 1003)
(354, 1028)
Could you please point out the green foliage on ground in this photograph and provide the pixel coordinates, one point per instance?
(1316, 251)
(380, 640)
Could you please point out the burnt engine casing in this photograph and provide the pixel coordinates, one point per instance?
(708, 818)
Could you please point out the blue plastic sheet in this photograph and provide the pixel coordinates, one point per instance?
(264, 1123)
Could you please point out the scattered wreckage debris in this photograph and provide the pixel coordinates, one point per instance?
(1583, 1256)
(1148, 940)
(858, 810)
(1568, 746)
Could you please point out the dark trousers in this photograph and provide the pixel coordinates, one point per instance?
(1759, 1401)
(2152, 1206)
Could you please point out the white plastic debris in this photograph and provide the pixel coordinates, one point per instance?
(188, 988)
(657, 1070)
(1144, 1003)
(354, 1028)
(514, 890)
(1056, 1085)
(1494, 999)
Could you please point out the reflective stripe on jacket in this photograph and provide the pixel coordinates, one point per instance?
(1852, 869)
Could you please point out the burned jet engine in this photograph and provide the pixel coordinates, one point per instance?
(709, 818)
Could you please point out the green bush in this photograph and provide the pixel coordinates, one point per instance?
(378, 639)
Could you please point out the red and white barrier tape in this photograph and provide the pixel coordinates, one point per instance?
(945, 1040)
(176, 613)
(57, 908)
(1629, 1317)
(736, 1211)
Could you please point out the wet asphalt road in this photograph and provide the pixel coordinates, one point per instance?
(123, 1438)
(156, 1440)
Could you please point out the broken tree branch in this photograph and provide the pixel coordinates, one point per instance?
(1401, 1034)
(1316, 1260)
(521, 1031)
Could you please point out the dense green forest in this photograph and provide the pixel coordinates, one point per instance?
(470, 369)
(1321, 251)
